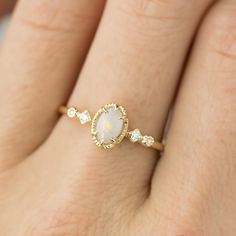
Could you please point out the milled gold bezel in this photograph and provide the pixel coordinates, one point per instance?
(124, 128)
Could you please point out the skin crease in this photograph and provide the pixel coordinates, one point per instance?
(55, 182)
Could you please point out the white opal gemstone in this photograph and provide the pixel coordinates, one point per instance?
(109, 125)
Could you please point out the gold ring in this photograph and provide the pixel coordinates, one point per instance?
(109, 126)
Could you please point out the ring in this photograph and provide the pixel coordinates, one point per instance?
(109, 126)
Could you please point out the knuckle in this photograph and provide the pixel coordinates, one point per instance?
(161, 10)
(171, 4)
(51, 16)
(220, 28)
(179, 226)
(57, 222)
(158, 18)
(219, 33)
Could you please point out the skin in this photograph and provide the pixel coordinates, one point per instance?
(149, 56)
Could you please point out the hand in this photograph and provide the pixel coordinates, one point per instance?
(55, 181)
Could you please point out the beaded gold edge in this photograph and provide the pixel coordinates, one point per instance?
(123, 133)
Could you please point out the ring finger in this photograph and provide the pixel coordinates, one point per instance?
(136, 67)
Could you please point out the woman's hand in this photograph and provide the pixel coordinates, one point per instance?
(55, 181)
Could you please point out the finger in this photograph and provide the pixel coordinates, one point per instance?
(39, 62)
(199, 162)
(131, 67)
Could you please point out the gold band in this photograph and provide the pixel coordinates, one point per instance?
(110, 125)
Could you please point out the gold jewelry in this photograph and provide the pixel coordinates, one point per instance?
(109, 126)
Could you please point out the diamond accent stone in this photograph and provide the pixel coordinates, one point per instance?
(135, 135)
(84, 117)
(71, 112)
(148, 141)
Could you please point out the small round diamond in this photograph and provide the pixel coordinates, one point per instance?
(148, 141)
(71, 112)
(135, 135)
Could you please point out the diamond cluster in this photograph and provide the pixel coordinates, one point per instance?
(84, 116)
(136, 136)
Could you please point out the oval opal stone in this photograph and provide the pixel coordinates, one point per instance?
(109, 125)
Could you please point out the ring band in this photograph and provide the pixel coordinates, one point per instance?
(109, 126)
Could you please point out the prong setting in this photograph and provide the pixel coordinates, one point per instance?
(71, 112)
(148, 141)
(135, 136)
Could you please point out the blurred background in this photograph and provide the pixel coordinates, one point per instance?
(6, 7)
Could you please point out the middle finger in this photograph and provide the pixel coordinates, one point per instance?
(137, 66)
